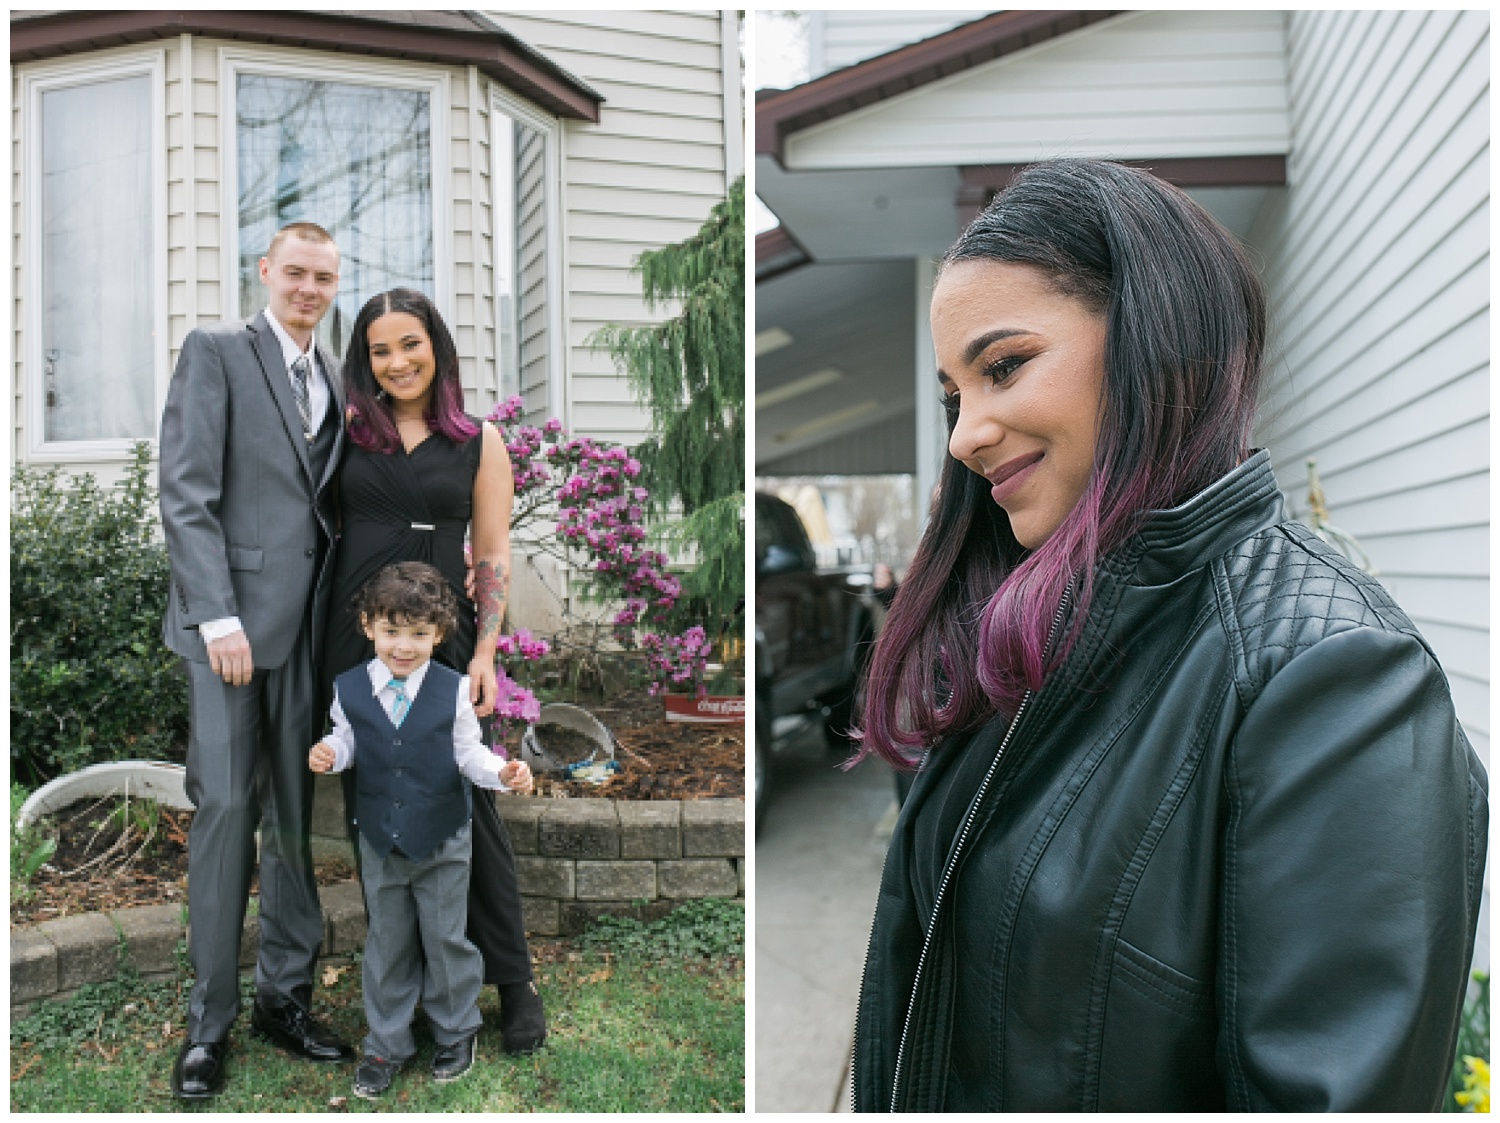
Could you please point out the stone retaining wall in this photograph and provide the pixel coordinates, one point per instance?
(577, 859)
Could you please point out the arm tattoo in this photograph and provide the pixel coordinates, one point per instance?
(491, 590)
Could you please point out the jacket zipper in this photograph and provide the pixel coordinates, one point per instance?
(937, 901)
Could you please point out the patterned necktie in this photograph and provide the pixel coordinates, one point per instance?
(401, 704)
(300, 371)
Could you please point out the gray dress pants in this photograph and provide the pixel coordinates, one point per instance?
(416, 947)
(247, 767)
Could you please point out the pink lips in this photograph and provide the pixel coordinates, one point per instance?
(1007, 479)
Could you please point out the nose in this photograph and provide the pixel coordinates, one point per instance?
(972, 433)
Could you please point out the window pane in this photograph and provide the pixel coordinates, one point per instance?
(503, 180)
(531, 263)
(356, 160)
(97, 291)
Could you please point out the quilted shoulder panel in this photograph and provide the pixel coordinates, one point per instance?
(1287, 589)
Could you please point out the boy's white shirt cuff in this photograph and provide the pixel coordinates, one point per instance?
(341, 738)
(470, 753)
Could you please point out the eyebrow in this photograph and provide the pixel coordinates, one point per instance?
(979, 343)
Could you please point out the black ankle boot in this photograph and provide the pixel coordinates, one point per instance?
(523, 1024)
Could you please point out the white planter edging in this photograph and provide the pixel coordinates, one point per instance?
(148, 779)
(575, 718)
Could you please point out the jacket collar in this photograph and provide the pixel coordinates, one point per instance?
(1178, 540)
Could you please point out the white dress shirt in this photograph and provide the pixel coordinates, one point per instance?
(470, 753)
(317, 382)
(318, 394)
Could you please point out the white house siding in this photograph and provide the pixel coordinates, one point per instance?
(468, 182)
(1139, 86)
(17, 272)
(839, 39)
(647, 175)
(1377, 269)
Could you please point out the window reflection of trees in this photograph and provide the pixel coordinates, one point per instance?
(354, 159)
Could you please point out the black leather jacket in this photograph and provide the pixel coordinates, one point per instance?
(1228, 858)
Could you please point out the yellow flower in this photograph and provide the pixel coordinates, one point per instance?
(1476, 1094)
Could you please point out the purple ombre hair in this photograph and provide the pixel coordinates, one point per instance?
(371, 425)
(969, 632)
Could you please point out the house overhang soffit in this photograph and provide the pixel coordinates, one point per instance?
(894, 186)
(446, 38)
(780, 113)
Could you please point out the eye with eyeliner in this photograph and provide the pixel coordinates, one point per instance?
(1003, 369)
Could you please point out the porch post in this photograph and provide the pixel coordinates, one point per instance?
(932, 433)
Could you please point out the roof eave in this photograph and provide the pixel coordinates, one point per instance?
(782, 112)
(499, 54)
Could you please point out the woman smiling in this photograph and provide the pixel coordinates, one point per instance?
(1194, 825)
(420, 475)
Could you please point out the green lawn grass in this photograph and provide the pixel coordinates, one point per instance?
(637, 1021)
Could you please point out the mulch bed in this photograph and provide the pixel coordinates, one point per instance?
(97, 867)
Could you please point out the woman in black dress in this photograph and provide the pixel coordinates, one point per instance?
(418, 475)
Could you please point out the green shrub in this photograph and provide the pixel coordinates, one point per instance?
(90, 679)
(1469, 1084)
(710, 928)
(30, 847)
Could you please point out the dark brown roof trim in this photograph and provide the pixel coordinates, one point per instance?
(777, 252)
(782, 112)
(981, 184)
(493, 50)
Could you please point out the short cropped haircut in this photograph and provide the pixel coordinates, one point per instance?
(409, 593)
(307, 231)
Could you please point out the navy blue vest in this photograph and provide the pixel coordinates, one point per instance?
(411, 794)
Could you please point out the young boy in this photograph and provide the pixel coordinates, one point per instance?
(408, 724)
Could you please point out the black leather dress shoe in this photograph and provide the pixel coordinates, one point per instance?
(198, 1073)
(292, 1029)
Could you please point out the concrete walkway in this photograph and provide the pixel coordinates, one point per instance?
(818, 853)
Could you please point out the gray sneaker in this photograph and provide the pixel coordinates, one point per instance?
(373, 1077)
(449, 1062)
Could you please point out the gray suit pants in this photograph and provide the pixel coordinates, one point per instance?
(247, 767)
(416, 947)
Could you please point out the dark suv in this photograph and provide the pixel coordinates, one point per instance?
(813, 629)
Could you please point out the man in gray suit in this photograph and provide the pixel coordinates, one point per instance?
(250, 442)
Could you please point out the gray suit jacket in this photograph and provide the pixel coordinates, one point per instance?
(240, 509)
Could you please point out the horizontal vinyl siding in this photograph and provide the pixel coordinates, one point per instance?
(1145, 85)
(840, 39)
(1377, 271)
(646, 175)
(19, 277)
(212, 296)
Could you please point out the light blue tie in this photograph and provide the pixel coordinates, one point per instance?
(401, 704)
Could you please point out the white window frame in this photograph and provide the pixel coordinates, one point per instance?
(351, 70)
(35, 81)
(505, 105)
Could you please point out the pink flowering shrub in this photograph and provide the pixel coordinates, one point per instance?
(679, 661)
(588, 491)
